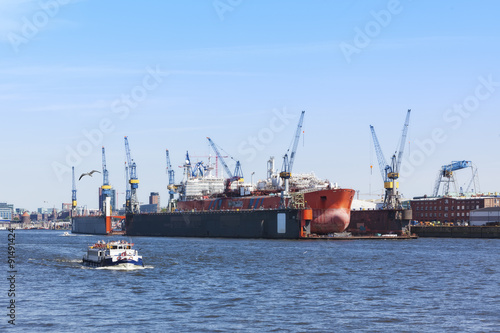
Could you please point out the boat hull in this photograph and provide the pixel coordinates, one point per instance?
(331, 208)
(94, 225)
(108, 262)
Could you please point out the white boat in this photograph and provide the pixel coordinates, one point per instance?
(119, 254)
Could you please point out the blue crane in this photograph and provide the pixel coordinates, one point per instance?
(390, 173)
(446, 176)
(106, 188)
(105, 179)
(73, 191)
(286, 171)
(127, 188)
(171, 181)
(170, 171)
(238, 172)
(133, 181)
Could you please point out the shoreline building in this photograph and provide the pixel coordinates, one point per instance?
(6, 211)
(450, 209)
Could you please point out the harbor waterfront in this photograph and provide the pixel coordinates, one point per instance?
(256, 285)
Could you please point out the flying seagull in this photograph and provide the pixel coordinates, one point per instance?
(88, 174)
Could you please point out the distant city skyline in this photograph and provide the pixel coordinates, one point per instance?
(79, 75)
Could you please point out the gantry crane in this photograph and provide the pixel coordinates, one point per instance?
(390, 173)
(286, 170)
(73, 193)
(446, 176)
(105, 188)
(133, 203)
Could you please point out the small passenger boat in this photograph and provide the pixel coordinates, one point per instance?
(119, 254)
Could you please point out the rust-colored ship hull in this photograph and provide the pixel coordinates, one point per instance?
(321, 212)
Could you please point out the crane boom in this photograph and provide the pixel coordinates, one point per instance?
(380, 155)
(403, 141)
(219, 155)
(295, 142)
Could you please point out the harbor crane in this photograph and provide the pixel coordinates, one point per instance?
(238, 172)
(286, 171)
(210, 164)
(127, 188)
(133, 203)
(446, 176)
(171, 181)
(73, 192)
(390, 173)
(105, 188)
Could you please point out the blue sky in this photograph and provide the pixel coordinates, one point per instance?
(170, 73)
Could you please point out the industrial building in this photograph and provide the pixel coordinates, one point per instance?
(450, 209)
(485, 216)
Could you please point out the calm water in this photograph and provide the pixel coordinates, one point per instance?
(221, 285)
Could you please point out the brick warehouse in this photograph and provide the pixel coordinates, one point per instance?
(449, 209)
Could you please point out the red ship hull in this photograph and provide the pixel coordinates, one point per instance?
(330, 208)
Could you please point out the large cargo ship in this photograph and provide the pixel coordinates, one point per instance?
(317, 212)
(216, 207)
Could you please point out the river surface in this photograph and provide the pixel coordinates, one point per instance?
(240, 285)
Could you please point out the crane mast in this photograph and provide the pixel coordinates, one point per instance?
(105, 179)
(390, 173)
(133, 206)
(170, 171)
(127, 189)
(105, 188)
(171, 182)
(73, 192)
